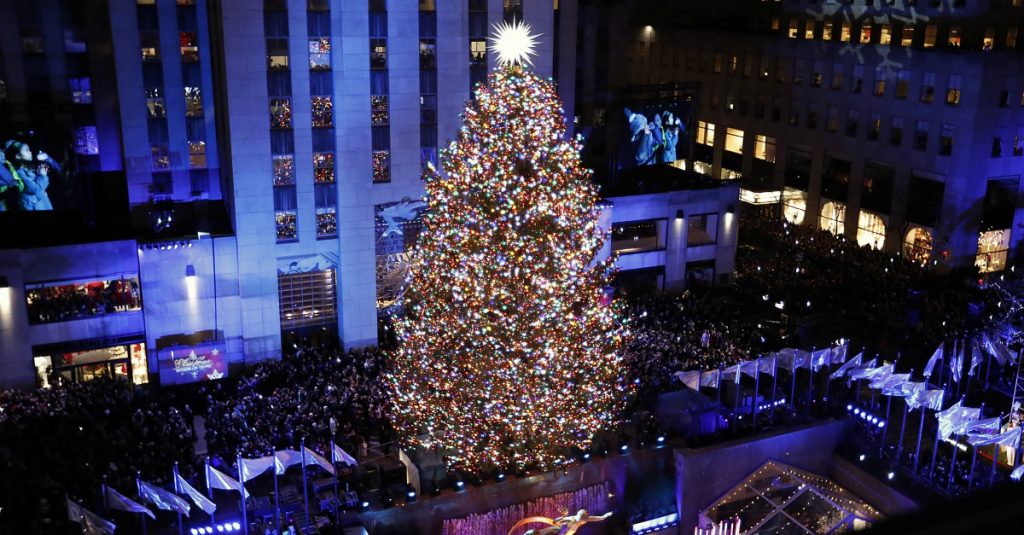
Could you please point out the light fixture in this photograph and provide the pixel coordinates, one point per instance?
(731, 209)
(190, 271)
(4, 283)
(680, 214)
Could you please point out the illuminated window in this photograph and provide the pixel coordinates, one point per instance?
(730, 100)
(870, 230)
(150, 45)
(308, 299)
(832, 119)
(928, 87)
(322, 112)
(478, 52)
(857, 81)
(845, 31)
(953, 89)
(701, 229)
(992, 249)
(817, 73)
(285, 221)
(1018, 142)
(379, 53)
(955, 35)
(283, 169)
(638, 236)
(826, 31)
(989, 41)
(946, 139)
(277, 53)
(917, 246)
(775, 23)
(865, 32)
(381, 160)
(161, 156)
(809, 29)
(907, 37)
(837, 76)
(885, 34)
(320, 53)
(81, 90)
(931, 32)
(189, 44)
(874, 126)
(280, 113)
(764, 148)
(794, 205)
(794, 27)
(734, 63)
(706, 133)
(70, 300)
(734, 140)
(323, 167)
(902, 83)
(193, 102)
(880, 76)
(762, 73)
(832, 217)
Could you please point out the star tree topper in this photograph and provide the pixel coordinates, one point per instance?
(513, 43)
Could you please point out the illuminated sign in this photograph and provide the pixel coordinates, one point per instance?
(190, 364)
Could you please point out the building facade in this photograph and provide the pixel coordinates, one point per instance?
(896, 123)
(268, 156)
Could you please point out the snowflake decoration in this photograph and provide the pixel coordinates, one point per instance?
(513, 43)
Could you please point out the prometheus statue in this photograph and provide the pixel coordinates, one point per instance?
(563, 525)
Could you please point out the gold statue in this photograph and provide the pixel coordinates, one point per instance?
(564, 525)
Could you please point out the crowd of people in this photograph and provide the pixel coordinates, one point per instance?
(64, 440)
(74, 301)
(317, 393)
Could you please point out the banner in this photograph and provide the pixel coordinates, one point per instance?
(219, 480)
(893, 385)
(190, 364)
(412, 474)
(201, 501)
(285, 458)
(925, 398)
(690, 379)
(339, 455)
(858, 371)
(1008, 439)
(847, 366)
(935, 358)
(250, 468)
(120, 502)
(821, 358)
(956, 419)
(313, 457)
(162, 499)
(709, 379)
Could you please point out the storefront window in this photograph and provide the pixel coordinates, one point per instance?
(832, 217)
(870, 230)
(918, 245)
(992, 248)
(794, 205)
(64, 301)
(127, 362)
(638, 236)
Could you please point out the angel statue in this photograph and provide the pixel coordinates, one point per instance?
(564, 525)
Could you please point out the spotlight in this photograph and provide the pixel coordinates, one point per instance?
(586, 456)
(890, 475)
(849, 407)
(460, 484)
(500, 476)
(194, 531)
(365, 505)
(624, 448)
(856, 411)
(862, 457)
(220, 528)
(411, 494)
(881, 424)
(661, 439)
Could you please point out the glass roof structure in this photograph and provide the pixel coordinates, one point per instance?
(778, 499)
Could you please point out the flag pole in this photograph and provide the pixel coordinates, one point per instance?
(903, 429)
(103, 495)
(181, 527)
(334, 462)
(241, 488)
(888, 414)
(792, 386)
(737, 379)
(828, 376)
(138, 488)
(935, 451)
(757, 388)
(277, 504)
(209, 489)
(952, 464)
(305, 486)
(810, 380)
(988, 367)
(920, 433)
(718, 386)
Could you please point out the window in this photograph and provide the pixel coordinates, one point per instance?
(638, 236)
(857, 81)
(748, 65)
(907, 37)
(379, 114)
(870, 230)
(762, 72)
(715, 98)
(874, 127)
(150, 45)
(794, 205)
(277, 53)
(326, 210)
(308, 299)
(917, 246)
(845, 31)
(283, 166)
(865, 33)
(1011, 37)
(780, 69)
(323, 167)
(81, 90)
(896, 130)
(885, 34)
(719, 61)
(764, 148)
(989, 40)
(837, 76)
(931, 32)
(812, 116)
(997, 147)
(280, 113)
(833, 215)
(794, 27)
(734, 63)
(155, 103)
(478, 52)
(321, 112)
(70, 300)
(381, 160)
(809, 29)
(953, 89)
(730, 100)
(826, 31)
(428, 54)
(955, 35)
(921, 135)
(928, 87)
(877, 184)
(193, 102)
(902, 83)
(378, 53)
(1018, 142)
(1004, 99)
(734, 140)
(798, 72)
(776, 109)
(832, 121)
(195, 136)
(320, 54)
(701, 229)
(852, 122)
(946, 139)
(706, 133)
(189, 44)
(794, 116)
(284, 214)
(817, 73)
(880, 76)
(993, 246)
(85, 140)
(759, 106)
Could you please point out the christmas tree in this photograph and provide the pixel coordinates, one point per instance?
(509, 351)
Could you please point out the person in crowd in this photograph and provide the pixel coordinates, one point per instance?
(34, 173)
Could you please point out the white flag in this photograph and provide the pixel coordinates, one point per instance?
(925, 398)
(250, 468)
(732, 373)
(216, 479)
(847, 366)
(766, 365)
(412, 474)
(749, 368)
(285, 458)
(203, 502)
(709, 379)
(986, 426)
(690, 378)
(116, 500)
(339, 455)
(821, 358)
(163, 499)
(893, 386)
(839, 352)
(93, 523)
(1017, 473)
(956, 419)
(935, 358)
(313, 457)
(1008, 439)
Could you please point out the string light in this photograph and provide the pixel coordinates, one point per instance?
(510, 351)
